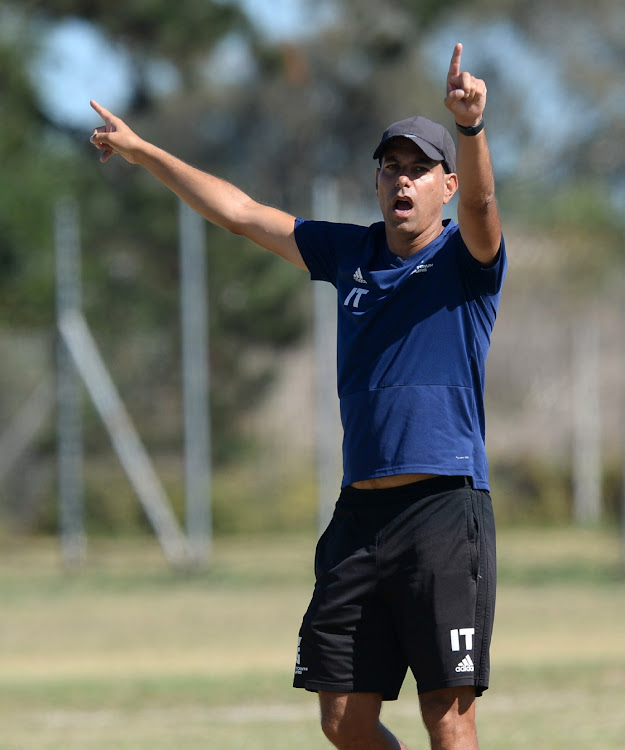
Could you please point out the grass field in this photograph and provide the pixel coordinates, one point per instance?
(130, 655)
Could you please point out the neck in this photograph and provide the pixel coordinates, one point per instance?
(404, 245)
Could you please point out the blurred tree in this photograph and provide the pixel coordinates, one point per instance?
(152, 29)
(554, 72)
(28, 177)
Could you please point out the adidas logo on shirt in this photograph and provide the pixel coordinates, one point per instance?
(422, 268)
(359, 277)
(466, 665)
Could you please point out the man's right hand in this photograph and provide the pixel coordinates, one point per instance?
(114, 137)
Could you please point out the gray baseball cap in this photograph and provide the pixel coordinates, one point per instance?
(431, 137)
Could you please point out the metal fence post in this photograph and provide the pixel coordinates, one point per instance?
(69, 423)
(195, 368)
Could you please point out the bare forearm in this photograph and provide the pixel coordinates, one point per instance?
(215, 199)
(476, 183)
(222, 203)
(478, 213)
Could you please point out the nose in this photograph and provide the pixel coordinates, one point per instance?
(402, 180)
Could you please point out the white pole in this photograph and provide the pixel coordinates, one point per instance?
(194, 315)
(586, 439)
(69, 423)
(325, 207)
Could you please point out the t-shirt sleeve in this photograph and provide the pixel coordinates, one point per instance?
(483, 279)
(317, 244)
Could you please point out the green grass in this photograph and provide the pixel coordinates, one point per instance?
(128, 654)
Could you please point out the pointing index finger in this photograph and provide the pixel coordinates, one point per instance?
(104, 113)
(454, 65)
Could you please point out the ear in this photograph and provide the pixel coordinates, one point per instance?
(377, 175)
(450, 185)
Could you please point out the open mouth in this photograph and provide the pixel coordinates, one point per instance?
(402, 206)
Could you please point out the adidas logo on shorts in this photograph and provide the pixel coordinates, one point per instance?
(466, 665)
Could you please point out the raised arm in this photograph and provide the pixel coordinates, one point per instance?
(478, 215)
(218, 201)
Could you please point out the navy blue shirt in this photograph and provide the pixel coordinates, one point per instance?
(413, 337)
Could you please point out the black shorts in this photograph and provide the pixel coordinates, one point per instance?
(405, 577)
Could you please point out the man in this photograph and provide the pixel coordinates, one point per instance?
(406, 569)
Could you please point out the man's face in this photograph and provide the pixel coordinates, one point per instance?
(412, 188)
